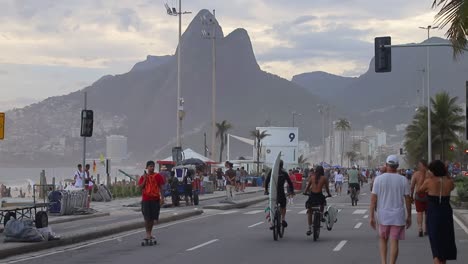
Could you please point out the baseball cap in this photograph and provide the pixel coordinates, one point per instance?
(392, 160)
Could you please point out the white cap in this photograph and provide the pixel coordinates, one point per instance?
(392, 160)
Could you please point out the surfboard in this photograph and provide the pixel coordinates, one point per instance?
(273, 191)
(331, 215)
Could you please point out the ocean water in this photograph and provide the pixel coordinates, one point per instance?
(21, 177)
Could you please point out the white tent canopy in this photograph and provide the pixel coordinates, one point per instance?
(190, 154)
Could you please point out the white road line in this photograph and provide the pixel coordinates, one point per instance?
(360, 211)
(202, 245)
(364, 194)
(358, 225)
(228, 212)
(76, 247)
(461, 224)
(254, 212)
(339, 210)
(340, 245)
(257, 224)
(366, 216)
(303, 212)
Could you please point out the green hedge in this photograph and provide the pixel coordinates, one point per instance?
(125, 191)
(462, 188)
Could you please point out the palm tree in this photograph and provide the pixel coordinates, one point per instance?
(455, 13)
(222, 127)
(416, 137)
(302, 161)
(351, 155)
(446, 122)
(258, 136)
(342, 125)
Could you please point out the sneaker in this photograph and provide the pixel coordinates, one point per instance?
(309, 232)
(284, 224)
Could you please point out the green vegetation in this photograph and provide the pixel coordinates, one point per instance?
(258, 145)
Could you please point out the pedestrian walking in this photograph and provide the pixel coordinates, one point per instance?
(151, 185)
(439, 213)
(243, 178)
(390, 193)
(420, 197)
(230, 181)
(220, 179)
(78, 177)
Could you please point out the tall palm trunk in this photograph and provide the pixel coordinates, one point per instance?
(258, 157)
(221, 148)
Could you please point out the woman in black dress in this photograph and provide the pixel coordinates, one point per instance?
(439, 220)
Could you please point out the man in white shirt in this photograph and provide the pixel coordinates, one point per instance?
(389, 195)
(78, 177)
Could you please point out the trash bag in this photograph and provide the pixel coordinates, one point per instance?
(48, 234)
(22, 231)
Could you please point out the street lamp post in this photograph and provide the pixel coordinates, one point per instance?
(173, 12)
(207, 35)
(322, 110)
(429, 132)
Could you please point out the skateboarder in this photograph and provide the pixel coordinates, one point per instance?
(151, 185)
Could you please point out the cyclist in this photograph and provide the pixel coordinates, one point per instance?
(353, 181)
(283, 177)
(317, 181)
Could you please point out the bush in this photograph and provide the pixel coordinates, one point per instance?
(462, 189)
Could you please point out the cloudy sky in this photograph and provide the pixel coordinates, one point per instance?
(54, 47)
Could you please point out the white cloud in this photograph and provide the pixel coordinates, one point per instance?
(75, 42)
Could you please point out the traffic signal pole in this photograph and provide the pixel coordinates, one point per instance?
(84, 138)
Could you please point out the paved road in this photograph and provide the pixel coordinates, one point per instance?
(241, 236)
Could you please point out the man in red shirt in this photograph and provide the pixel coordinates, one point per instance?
(151, 185)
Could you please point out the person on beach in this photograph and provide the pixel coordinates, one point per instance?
(151, 185)
(78, 177)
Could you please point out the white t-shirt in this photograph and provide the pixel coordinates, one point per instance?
(79, 179)
(339, 177)
(390, 189)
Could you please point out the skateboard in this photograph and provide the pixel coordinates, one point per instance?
(149, 242)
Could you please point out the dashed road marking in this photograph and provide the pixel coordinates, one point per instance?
(360, 211)
(358, 225)
(254, 212)
(340, 245)
(303, 212)
(202, 245)
(257, 224)
(366, 216)
(228, 212)
(461, 224)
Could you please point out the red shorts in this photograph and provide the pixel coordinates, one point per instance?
(421, 206)
(392, 232)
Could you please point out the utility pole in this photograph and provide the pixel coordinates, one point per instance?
(429, 129)
(84, 138)
(322, 110)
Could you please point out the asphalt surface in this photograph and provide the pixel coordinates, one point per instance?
(242, 236)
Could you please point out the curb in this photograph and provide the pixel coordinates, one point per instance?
(237, 204)
(80, 217)
(89, 234)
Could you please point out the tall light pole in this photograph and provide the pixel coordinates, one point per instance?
(429, 132)
(423, 70)
(294, 114)
(180, 102)
(212, 35)
(322, 110)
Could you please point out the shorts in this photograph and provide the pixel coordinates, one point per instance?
(355, 185)
(150, 210)
(281, 201)
(339, 184)
(315, 199)
(421, 202)
(392, 232)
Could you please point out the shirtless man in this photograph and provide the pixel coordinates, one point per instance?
(420, 198)
(317, 181)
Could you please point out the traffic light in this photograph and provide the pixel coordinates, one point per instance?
(87, 117)
(383, 55)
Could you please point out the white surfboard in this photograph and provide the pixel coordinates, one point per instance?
(331, 215)
(273, 191)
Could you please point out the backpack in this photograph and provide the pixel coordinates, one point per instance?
(151, 187)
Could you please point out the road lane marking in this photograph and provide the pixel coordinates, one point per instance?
(461, 224)
(254, 212)
(414, 211)
(358, 225)
(228, 212)
(364, 194)
(202, 245)
(366, 216)
(257, 224)
(360, 211)
(303, 212)
(340, 245)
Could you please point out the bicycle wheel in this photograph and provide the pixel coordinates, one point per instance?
(316, 225)
(275, 226)
(280, 224)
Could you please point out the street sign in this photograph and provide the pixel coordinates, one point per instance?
(2, 126)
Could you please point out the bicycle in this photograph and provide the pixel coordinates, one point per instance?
(278, 228)
(317, 217)
(354, 196)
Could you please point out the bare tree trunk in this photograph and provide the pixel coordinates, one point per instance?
(221, 148)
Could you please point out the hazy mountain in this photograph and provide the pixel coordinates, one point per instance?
(386, 99)
(142, 104)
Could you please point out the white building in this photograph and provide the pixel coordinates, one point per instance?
(116, 147)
